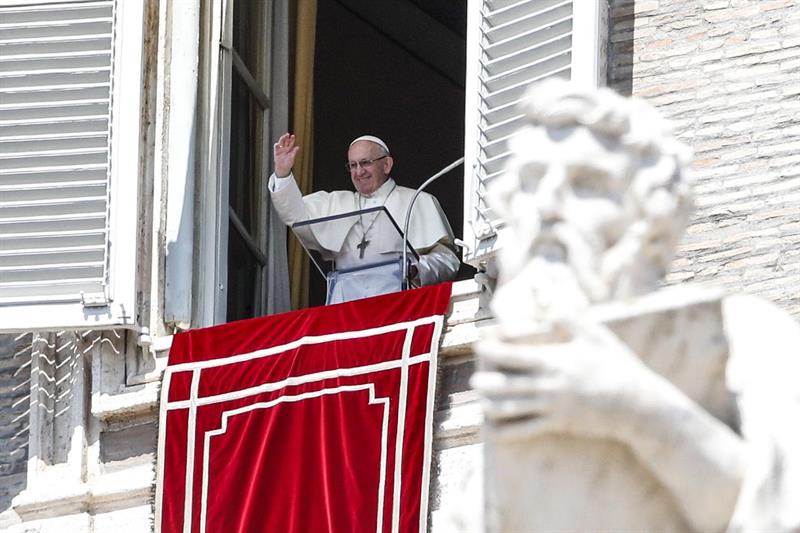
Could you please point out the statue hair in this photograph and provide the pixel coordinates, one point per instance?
(658, 193)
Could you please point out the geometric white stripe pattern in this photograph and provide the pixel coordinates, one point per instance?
(400, 361)
(370, 387)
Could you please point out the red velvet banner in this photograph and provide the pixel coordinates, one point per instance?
(315, 420)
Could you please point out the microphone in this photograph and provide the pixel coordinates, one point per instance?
(430, 180)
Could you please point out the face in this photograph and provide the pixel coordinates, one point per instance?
(568, 201)
(367, 179)
(579, 178)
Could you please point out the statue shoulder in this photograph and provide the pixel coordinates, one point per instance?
(764, 343)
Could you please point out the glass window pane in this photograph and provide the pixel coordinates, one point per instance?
(243, 278)
(244, 154)
(248, 17)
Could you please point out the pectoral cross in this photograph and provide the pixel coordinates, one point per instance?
(362, 246)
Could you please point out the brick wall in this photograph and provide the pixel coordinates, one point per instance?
(15, 357)
(727, 73)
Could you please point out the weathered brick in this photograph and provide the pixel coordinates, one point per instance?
(662, 43)
(729, 115)
(758, 71)
(725, 15)
(783, 199)
(702, 163)
(718, 30)
(708, 146)
(707, 57)
(776, 4)
(793, 64)
(645, 6)
(753, 49)
(723, 198)
(782, 148)
(670, 51)
(788, 160)
(781, 186)
(683, 23)
(742, 122)
(791, 90)
(790, 42)
(767, 33)
(726, 254)
(719, 4)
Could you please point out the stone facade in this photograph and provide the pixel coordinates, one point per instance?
(727, 74)
(15, 372)
(724, 71)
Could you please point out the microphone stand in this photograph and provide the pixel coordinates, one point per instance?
(406, 244)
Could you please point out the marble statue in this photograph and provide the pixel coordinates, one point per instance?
(611, 403)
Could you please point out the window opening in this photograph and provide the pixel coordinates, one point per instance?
(247, 163)
(395, 70)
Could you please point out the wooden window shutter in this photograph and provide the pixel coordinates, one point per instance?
(511, 44)
(56, 138)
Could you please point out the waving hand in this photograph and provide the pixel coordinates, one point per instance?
(284, 152)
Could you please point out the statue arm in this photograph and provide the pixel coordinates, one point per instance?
(762, 371)
(593, 386)
(699, 459)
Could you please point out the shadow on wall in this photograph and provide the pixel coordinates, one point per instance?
(621, 36)
(15, 373)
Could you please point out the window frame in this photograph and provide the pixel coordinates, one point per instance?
(213, 218)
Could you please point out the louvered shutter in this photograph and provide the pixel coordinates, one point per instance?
(57, 158)
(511, 44)
(55, 94)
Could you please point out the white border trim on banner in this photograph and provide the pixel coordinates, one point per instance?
(370, 387)
(403, 363)
(190, 442)
(297, 380)
(428, 446)
(401, 429)
(304, 341)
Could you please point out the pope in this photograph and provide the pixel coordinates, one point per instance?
(358, 241)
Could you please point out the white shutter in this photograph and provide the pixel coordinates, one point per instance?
(511, 44)
(55, 96)
(70, 124)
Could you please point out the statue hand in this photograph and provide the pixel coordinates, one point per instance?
(590, 385)
(284, 152)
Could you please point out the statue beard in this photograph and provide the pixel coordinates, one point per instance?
(560, 274)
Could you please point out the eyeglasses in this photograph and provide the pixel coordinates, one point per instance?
(364, 163)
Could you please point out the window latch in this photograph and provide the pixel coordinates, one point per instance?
(97, 299)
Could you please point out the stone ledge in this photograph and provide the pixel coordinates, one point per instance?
(133, 403)
(119, 490)
(458, 425)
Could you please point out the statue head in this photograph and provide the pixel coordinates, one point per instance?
(594, 199)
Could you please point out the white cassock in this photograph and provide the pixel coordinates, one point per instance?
(429, 234)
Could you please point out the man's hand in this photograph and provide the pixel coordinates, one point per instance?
(284, 152)
(589, 385)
